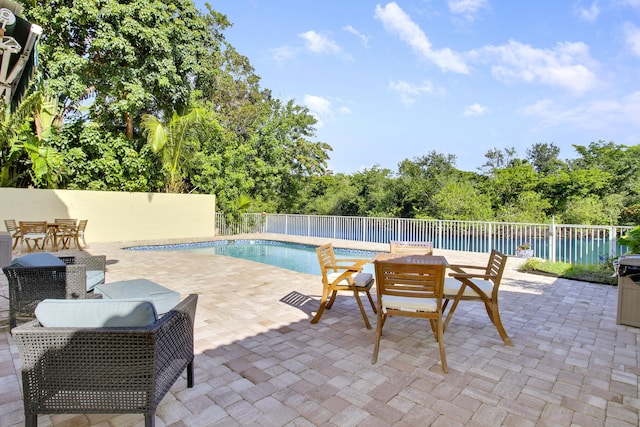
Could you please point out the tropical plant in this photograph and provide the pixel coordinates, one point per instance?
(178, 140)
(631, 240)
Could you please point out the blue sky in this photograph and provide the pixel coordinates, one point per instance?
(390, 81)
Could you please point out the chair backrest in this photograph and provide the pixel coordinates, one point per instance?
(417, 248)
(10, 225)
(495, 267)
(410, 280)
(27, 227)
(66, 221)
(82, 224)
(326, 259)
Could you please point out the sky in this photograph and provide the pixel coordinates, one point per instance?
(389, 81)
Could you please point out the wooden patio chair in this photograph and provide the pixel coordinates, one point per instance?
(342, 275)
(35, 234)
(480, 285)
(65, 226)
(410, 290)
(74, 234)
(415, 248)
(13, 229)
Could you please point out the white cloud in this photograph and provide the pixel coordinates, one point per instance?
(409, 92)
(588, 14)
(320, 108)
(283, 53)
(597, 114)
(632, 37)
(568, 65)
(364, 39)
(344, 110)
(318, 43)
(396, 21)
(632, 3)
(475, 110)
(467, 8)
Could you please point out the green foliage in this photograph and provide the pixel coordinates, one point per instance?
(631, 240)
(97, 159)
(462, 201)
(130, 57)
(179, 141)
(170, 105)
(591, 209)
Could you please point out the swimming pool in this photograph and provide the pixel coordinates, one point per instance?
(292, 256)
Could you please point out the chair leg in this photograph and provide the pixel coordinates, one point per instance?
(190, 375)
(150, 419)
(31, 420)
(440, 338)
(332, 300)
(323, 303)
(364, 313)
(494, 316)
(451, 310)
(373, 306)
(381, 318)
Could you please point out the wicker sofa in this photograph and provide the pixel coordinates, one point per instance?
(106, 369)
(71, 278)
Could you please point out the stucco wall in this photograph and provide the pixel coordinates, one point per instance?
(115, 216)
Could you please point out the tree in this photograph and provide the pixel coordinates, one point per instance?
(419, 180)
(129, 57)
(528, 206)
(544, 158)
(460, 200)
(178, 141)
(498, 159)
(592, 209)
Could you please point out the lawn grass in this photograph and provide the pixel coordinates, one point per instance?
(601, 273)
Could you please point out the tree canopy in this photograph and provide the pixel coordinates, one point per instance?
(150, 96)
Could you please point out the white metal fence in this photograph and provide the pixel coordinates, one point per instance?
(576, 244)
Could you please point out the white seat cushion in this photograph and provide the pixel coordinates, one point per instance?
(94, 277)
(361, 280)
(408, 304)
(162, 298)
(452, 286)
(94, 313)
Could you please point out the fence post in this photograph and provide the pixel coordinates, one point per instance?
(552, 240)
(613, 242)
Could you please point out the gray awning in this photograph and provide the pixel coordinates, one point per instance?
(19, 53)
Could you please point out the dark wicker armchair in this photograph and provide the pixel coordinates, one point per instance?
(105, 370)
(30, 285)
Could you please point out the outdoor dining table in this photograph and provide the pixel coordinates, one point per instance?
(411, 259)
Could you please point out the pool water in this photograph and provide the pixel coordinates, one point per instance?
(292, 256)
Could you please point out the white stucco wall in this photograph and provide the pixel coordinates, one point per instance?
(115, 216)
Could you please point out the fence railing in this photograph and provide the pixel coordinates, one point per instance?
(575, 244)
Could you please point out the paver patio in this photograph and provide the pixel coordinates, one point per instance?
(260, 362)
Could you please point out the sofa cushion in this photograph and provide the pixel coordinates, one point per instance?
(94, 277)
(142, 289)
(95, 313)
(40, 259)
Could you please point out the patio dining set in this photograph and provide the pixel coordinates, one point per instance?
(411, 282)
(62, 233)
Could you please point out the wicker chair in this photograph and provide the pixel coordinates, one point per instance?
(30, 285)
(105, 370)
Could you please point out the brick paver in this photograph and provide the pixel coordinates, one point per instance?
(260, 362)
